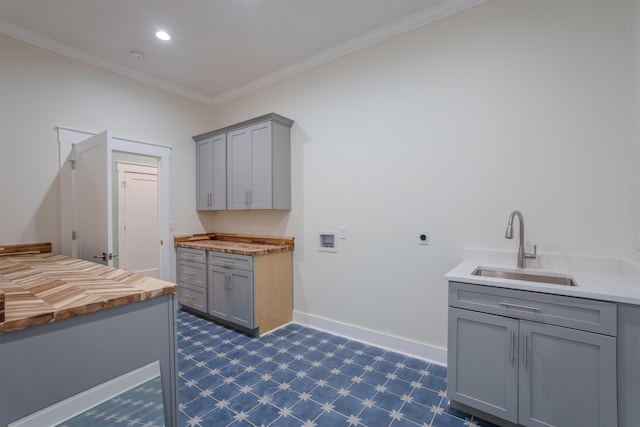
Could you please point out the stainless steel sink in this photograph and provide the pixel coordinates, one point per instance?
(529, 277)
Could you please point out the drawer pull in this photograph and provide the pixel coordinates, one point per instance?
(191, 297)
(523, 307)
(189, 274)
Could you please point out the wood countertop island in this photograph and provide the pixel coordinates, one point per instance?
(47, 287)
(69, 325)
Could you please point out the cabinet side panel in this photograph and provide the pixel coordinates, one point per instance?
(273, 290)
(281, 166)
(628, 366)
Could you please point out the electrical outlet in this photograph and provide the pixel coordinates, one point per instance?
(423, 237)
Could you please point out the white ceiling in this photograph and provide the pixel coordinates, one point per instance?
(220, 49)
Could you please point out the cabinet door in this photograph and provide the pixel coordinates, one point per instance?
(238, 169)
(219, 285)
(567, 377)
(482, 362)
(241, 298)
(204, 174)
(219, 164)
(211, 173)
(261, 191)
(249, 168)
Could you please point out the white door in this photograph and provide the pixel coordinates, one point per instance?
(93, 199)
(138, 234)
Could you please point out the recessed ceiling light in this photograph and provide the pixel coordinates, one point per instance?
(136, 54)
(163, 35)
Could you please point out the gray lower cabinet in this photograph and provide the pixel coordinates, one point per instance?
(192, 278)
(251, 293)
(522, 356)
(231, 288)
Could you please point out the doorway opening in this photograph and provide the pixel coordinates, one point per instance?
(119, 150)
(136, 216)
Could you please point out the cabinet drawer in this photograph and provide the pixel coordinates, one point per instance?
(193, 297)
(240, 262)
(195, 255)
(193, 273)
(577, 313)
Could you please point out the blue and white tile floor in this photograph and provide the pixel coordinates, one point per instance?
(302, 377)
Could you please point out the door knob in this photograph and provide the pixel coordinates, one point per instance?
(105, 256)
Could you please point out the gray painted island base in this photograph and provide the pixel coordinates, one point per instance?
(43, 365)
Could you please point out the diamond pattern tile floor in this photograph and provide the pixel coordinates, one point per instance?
(302, 377)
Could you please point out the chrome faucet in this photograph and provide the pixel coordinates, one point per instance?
(522, 255)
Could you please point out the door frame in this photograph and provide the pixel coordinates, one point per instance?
(66, 138)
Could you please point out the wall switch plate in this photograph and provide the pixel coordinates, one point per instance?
(342, 231)
(423, 237)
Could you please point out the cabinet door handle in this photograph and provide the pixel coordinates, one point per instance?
(210, 199)
(524, 352)
(513, 347)
(250, 197)
(523, 307)
(227, 281)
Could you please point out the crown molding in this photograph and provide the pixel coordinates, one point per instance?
(411, 22)
(426, 16)
(39, 40)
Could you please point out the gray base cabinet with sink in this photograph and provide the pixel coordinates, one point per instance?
(530, 358)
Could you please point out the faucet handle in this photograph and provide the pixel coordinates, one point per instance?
(533, 255)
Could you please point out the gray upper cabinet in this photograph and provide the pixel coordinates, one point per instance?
(532, 359)
(211, 173)
(257, 165)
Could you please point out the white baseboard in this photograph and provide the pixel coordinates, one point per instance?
(405, 346)
(84, 401)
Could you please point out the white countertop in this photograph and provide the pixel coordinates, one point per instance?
(596, 278)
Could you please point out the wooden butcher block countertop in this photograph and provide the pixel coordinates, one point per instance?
(40, 288)
(242, 244)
